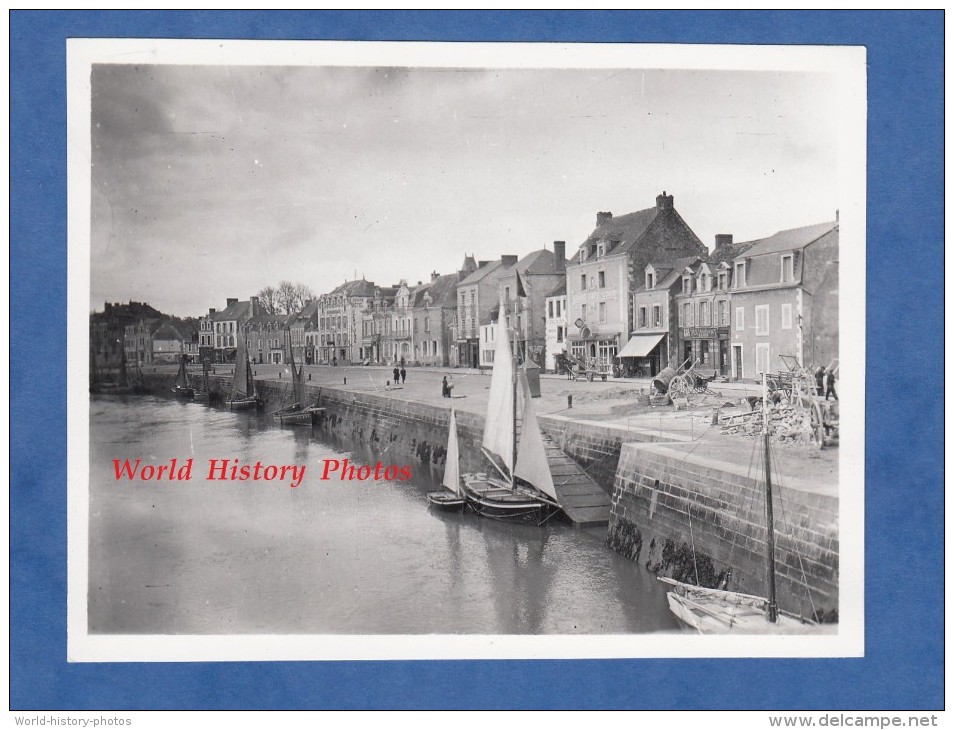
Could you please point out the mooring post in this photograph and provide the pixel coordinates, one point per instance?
(569, 401)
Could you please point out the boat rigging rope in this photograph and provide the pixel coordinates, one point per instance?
(798, 554)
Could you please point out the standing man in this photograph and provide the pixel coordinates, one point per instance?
(397, 375)
(403, 373)
(830, 384)
(820, 380)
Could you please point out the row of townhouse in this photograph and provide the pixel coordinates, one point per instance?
(641, 291)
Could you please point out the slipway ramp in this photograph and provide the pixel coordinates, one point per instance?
(580, 497)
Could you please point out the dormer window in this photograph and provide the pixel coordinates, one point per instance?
(723, 281)
(687, 284)
(788, 268)
(650, 279)
(739, 274)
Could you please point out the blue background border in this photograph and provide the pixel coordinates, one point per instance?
(903, 665)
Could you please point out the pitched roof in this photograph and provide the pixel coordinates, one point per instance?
(233, 312)
(668, 272)
(728, 251)
(356, 288)
(165, 330)
(627, 229)
(559, 291)
(443, 292)
(791, 239)
(481, 272)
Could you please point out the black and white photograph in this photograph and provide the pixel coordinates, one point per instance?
(422, 350)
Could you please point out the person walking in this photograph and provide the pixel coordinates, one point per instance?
(820, 380)
(403, 374)
(445, 391)
(397, 375)
(830, 384)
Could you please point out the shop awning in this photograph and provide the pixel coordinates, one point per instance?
(641, 345)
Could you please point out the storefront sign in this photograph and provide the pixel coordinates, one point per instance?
(699, 333)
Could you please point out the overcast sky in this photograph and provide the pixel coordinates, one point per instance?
(213, 182)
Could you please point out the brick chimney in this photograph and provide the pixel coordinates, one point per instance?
(664, 202)
(601, 218)
(559, 253)
(211, 311)
(723, 239)
(508, 259)
(253, 305)
(230, 301)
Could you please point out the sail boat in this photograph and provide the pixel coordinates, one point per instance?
(452, 496)
(297, 413)
(715, 611)
(243, 394)
(526, 490)
(182, 388)
(121, 387)
(203, 395)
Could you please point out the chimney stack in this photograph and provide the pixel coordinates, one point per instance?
(664, 202)
(601, 218)
(559, 252)
(230, 301)
(508, 259)
(211, 311)
(253, 302)
(434, 275)
(723, 239)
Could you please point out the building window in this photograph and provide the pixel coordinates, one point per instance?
(602, 312)
(558, 308)
(686, 312)
(642, 316)
(739, 274)
(788, 268)
(704, 351)
(740, 318)
(761, 357)
(583, 312)
(559, 338)
(583, 282)
(602, 279)
(723, 312)
(762, 319)
(704, 314)
(657, 316)
(550, 309)
(786, 316)
(650, 280)
(687, 285)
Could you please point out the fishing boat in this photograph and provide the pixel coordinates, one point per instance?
(203, 395)
(452, 496)
(182, 389)
(243, 395)
(513, 444)
(717, 611)
(297, 413)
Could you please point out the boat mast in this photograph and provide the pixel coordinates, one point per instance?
(772, 608)
(513, 390)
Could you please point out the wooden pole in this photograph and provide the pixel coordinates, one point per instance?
(772, 608)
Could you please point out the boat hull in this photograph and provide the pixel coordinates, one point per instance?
(243, 404)
(490, 497)
(713, 611)
(447, 501)
(298, 416)
(183, 392)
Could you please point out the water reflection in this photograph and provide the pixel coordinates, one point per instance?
(329, 556)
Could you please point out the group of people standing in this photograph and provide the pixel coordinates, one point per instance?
(400, 375)
(825, 382)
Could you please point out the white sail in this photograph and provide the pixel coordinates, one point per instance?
(240, 385)
(532, 465)
(452, 465)
(498, 426)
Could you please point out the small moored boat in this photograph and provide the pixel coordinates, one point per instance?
(451, 497)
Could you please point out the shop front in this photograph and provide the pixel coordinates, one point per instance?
(644, 355)
(707, 346)
(593, 348)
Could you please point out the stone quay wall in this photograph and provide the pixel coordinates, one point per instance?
(700, 521)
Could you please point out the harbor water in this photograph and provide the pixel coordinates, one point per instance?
(329, 556)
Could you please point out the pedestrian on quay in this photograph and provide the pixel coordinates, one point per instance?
(830, 384)
(397, 375)
(820, 380)
(403, 373)
(445, 391)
